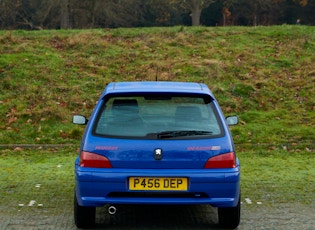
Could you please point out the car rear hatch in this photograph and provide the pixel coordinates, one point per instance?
(159, 154)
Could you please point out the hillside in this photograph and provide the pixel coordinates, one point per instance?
(266, 75)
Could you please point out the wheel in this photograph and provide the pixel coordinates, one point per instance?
(84, 217)
(230, 217)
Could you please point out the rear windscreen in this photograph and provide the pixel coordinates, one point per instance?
(158, 117)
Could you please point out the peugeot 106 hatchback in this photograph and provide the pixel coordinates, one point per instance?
(157, 143)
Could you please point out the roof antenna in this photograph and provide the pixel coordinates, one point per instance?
(156, 75)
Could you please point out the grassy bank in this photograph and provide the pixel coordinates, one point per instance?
(264, 74)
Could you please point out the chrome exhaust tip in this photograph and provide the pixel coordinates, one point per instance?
(112, 210)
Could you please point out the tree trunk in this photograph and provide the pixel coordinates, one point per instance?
(196, 12)
(65, 19)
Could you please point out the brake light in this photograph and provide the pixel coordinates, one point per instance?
(93, 160)
(227, 160)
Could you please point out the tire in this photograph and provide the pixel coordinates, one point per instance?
(84, 217)
(229, 218)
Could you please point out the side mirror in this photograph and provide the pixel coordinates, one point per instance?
(232, 120)
(79, 120)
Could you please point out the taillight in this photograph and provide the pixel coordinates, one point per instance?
(226, 160)
(93, 160)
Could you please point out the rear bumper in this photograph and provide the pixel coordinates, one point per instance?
(98, 187)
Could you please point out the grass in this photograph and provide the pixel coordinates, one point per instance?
(46, 176)
(47, 76)
(275, 176)
(264, 74)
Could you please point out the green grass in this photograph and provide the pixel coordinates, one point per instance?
(263, 74)
(47, 76)
(276, 176)
(46, 176)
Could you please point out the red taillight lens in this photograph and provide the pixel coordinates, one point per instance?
(227, 160)
(93, 160)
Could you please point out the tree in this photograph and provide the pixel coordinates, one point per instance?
(226, 13)
(257, 12)
(109, 13)
(265, 12)
(194, 7)
(8, 13)
(64, 14)
(159, 13)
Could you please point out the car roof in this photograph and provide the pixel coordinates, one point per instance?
(157, 87)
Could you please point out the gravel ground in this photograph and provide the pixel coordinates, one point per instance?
(254, 216)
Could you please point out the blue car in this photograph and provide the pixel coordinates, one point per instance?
(157, 143)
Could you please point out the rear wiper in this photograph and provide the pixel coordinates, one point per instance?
(182, 133)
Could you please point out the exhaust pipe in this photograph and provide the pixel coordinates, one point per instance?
(112, 210)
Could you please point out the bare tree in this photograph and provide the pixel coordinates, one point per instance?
(64, 14)
(194, 7)
(8, 13)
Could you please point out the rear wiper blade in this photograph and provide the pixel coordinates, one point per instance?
(182, 133)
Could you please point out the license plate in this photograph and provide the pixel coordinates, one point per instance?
(158, 184)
